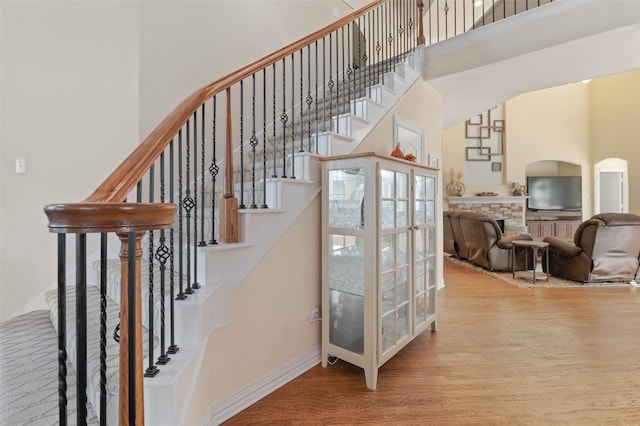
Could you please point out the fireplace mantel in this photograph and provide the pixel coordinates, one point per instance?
(511, 209)
(488, 199)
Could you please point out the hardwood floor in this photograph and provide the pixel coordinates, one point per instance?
(501, 356)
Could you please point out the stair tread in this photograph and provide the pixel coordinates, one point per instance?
(29, 373)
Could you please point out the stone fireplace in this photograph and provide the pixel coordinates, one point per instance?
(511, 209)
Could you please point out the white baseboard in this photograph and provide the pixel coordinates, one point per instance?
(249, 395)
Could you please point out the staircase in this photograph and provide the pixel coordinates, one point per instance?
(223, 267)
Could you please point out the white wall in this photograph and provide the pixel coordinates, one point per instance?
(185, 45)
(84, 82)
(70, 105)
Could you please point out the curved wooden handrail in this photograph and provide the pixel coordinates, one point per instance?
(116, 187)
(109, 217)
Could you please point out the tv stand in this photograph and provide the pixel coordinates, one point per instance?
(553, 223)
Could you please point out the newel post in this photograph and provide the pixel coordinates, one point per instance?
(421, 38)
(131, 379)
(228, 204)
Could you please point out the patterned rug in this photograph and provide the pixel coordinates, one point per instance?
(523, 279)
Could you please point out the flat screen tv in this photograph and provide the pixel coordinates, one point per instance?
(555, 192)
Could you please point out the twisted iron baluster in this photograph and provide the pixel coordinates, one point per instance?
(309, 98)
(151, 370)
(188, 205)
(301, 104)
(331, 83)
(81, 328)
(293, 118)
(162, 255)
(253, 141)
(195, 285)
(62, 330)
(181, 295)
(173, 348)
(274, 173)
(284, 118)
(264, 139)
(324, 84)
(203, 241)
(351, 107)
(103, 330)
(317, 101)
(338, 83)
(241, 205)
(213, 170)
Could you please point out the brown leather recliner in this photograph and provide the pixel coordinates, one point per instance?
(480, 240)
(604, 248)
(448, 239)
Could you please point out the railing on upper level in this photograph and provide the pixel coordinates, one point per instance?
(448, 18)
(262, 118)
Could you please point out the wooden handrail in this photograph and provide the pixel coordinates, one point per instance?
(116, 187)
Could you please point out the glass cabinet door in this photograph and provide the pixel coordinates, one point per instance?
(394, 251)
(424, 250)
(345, 258)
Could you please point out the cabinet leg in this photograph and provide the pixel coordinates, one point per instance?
(371, 377)
(434, 326)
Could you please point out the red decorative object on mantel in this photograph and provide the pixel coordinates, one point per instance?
(410, 157)
(397, 152)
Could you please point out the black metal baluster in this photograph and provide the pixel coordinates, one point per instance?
(390, 52)
(330, 84)
(367, 70)
(350, 108)
(337, 116)
(301, 104)
(81, 329)
(317, 106)
(151, 370)
(242, 205)
(103, 330)
(264, 139)
(173, 348)
(162, 255)
(413, 38)
(309, 98)
(378, 48)
(203, 241)
(344, 82)
(181, 294)
(195, 285)
(62, 329)
(188, 204)
(253, 141)
(401, 42)
(293, 117)
(213, 170)
(324, 81)
(284, 118)
(274, 173)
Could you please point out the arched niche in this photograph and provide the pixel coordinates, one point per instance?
(553, 168)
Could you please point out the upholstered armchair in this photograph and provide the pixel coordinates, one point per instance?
(479, 240)
(448, 239)
(604, 248)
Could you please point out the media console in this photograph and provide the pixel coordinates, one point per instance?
(548, 223)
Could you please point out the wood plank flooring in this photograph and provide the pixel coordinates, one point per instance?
(501, 356)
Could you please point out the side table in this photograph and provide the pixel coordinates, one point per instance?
(534, 247)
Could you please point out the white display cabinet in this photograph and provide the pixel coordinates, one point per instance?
(378, 258)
